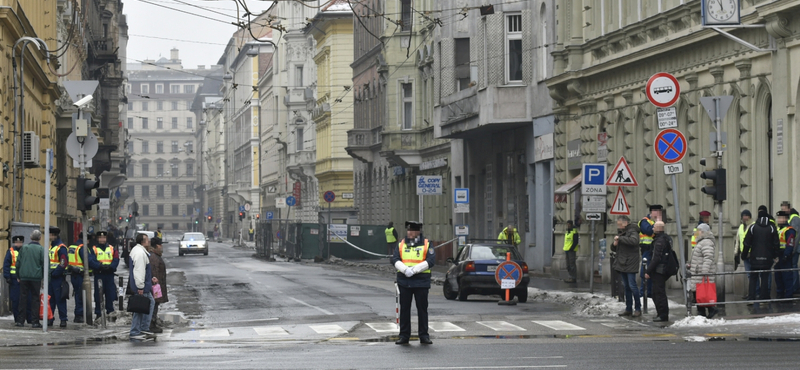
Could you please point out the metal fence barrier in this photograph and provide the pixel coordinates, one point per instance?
(690, 304)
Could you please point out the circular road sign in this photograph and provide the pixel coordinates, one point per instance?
(247, 207)
(670, 146)
(329, 196)
(291, 201)
(663, 90)
(508, 270)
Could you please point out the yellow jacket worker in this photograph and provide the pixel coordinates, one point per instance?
(413, 258)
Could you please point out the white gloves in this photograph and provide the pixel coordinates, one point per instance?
(401, 268)
(409, 272)
(420, 267)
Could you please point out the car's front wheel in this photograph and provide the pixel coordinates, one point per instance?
(180, 254)
(447, 289)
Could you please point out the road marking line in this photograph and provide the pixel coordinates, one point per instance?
(384, 327)
(215, 333)
(444, 326)
(489, 367)
(329, 313)
(558, 325)
(254, 320)
(270, 330)
(500, 326)
(328, 329)
(614, 325)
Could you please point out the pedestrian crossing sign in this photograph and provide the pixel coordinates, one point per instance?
(620, 205)
(621, 175)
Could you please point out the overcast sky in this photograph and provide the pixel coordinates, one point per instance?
(201, 40)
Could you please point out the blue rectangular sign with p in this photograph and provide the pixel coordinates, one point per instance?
(594, 179)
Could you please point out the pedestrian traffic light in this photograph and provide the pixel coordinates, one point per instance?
(85, 198)
(258, 216)
(209, 218)
(718, 188)
(196, 221)
(241, 216)
(119, 218)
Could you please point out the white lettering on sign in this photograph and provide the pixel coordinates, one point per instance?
(674, 168)
(573, 153)
(429, 185)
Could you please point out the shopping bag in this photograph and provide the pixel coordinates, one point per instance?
(41, 308)
(706, 294)
(157, 291)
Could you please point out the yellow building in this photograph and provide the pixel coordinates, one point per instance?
(332, 29)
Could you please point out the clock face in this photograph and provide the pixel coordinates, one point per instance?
(722, 11)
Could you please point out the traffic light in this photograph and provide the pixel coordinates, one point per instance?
(85, 198)
(196, 221)
(209, 218)
(119, 218)
(258, 216)
(718, 188)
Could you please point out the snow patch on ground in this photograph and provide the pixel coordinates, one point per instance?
(696, 339)
(702, 322)
(586, 304)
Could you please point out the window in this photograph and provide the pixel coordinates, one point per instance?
(130, 123)
(159, 169)
(408, 105)
(159, 89)
(175, 170)
(146, 210)
(128, 88)
(160, 123)
(189, 123)
(146, 191)
(405, 15)
(129, 169)
(174, 146)
(131, 191)
(299, 135)
(145, 88)
(160, 105)
(174, 123)
(145, 147)
(189, 169)
(189, 146)
(462, 64)
(175, 193)
(189, 192)
(145, 106)
(160, 148)
(130, 147)
(175, 212)
(160, 192)
(514, 48)
(145, 171)
(188, 89)
(174, 105)
(175, 89)
(298, 76)
(144, 122)
(130, 105)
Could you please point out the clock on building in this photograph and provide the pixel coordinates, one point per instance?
(721, 12)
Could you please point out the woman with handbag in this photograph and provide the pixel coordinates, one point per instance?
(702, 262)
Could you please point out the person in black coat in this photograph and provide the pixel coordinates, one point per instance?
(661, 245)
(413, 259)
(761, 248)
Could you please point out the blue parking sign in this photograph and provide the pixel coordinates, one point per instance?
(594, 179)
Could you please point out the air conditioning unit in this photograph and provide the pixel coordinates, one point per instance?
(30, 149)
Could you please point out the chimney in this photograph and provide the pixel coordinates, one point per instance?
(173, 54)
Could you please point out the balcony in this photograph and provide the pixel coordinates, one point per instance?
(473, 114)
(298, 97)
(104, 49)
(402, 148)
(301, 164)
(362, 144)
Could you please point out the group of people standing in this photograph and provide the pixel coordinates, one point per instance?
(147, 269)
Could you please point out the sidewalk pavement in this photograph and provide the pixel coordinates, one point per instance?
(11, 336)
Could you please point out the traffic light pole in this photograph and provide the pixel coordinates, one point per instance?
(720, 261)
(87, 285)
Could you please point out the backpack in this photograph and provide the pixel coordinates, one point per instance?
(669, 265)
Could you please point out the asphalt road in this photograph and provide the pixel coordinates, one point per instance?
(240, 312)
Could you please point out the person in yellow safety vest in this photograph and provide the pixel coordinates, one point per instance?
(10, 274)
(571, 245)
(75, 268)
(413, 259)
(794, 222)
(509, 233)
(158, 234)
(704, 219)
(783, 279)
(739, 243)
(646, 235)
(391, 237)
(58, 270)
(104, 260)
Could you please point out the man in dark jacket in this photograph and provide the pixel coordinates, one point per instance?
(160, 273)
(761, 248)
(626, 247)
(661, 245)
(413, 260)
(30, 271)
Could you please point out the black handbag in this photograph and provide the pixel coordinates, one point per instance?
(138, 303)
(64, 290)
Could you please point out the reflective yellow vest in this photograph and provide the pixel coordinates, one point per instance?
(14, 255)
(644, 238)
(54, 260)
(105, 257)
(413, 256)
(742, 233)
(782, 233)
(694, 238)
(568, 237)
(390, 235)
(74, 256)
(792, 217)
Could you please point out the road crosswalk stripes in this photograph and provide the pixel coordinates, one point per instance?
(500, 326)
(444, 326)
(386, 327)
(215, 333)
(270, 331)
(328, 329)
(558, 325)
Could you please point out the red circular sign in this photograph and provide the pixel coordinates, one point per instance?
(663, 90)
(670, 146)
(508, 270)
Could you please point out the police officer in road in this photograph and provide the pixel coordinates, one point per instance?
(75, 268)
(646, 235)
(103, 260)
(58, 270)
(10, 274)
(413, 259)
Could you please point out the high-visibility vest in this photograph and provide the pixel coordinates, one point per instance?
(782, 233)
(390, 235)
(54, 260)
(413, 256)
(694, 238)
(742, 233)
(14, 255)
(792, 217)
(74, 256)
(644, 238)
(104, 256)
(568, 237)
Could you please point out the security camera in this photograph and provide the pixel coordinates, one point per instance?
(83, 101)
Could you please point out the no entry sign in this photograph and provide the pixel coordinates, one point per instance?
(663, 90)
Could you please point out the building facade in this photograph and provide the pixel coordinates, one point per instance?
(603, 59)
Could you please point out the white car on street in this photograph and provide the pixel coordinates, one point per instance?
(193, 243)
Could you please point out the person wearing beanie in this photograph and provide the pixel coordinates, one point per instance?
(739, 241)
(761, 249)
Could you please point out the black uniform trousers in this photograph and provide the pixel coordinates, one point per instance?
(29, 289)
(420, 296)
(660, 294)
